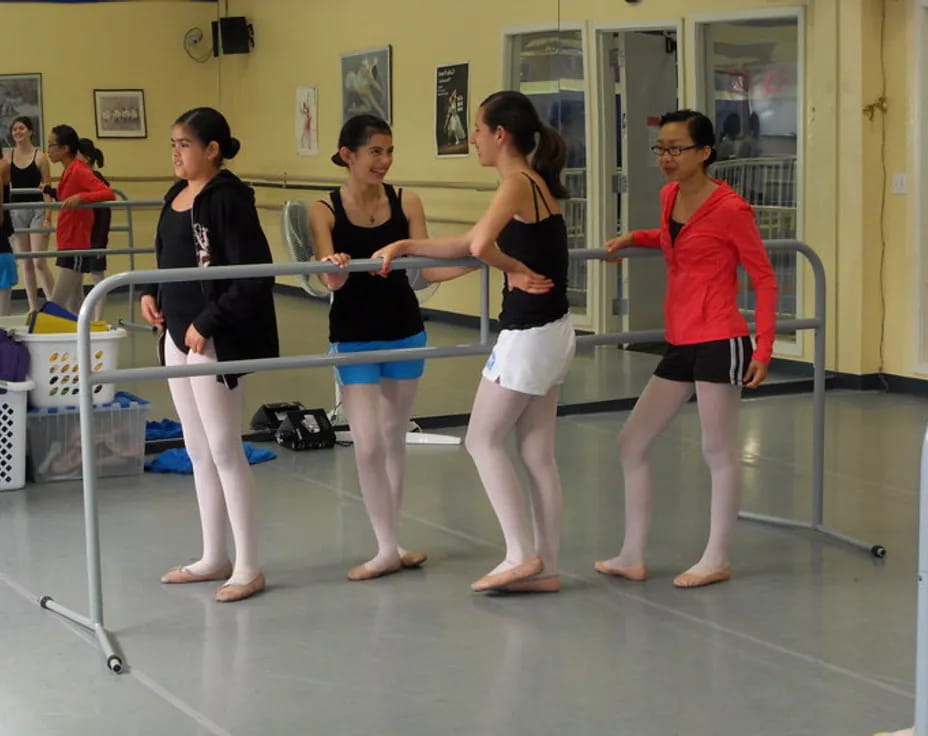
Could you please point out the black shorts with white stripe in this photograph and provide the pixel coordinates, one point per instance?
(81, 264)
(718, 361)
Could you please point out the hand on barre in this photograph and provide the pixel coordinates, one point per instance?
(622, 241)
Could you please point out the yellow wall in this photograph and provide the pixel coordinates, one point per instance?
(78, 48)
(300, 43)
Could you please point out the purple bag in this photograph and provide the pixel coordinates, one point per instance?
(14, 358)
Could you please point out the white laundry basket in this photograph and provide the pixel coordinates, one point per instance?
(53, 363)
(13, 434)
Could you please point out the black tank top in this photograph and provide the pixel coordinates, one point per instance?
(542, 246)
(675, 228)
(27, 178)
(370, 307)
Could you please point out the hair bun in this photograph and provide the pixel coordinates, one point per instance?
(230, 148)
(338, 160)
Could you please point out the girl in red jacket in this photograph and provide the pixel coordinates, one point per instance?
(706, 231)
(78, 185)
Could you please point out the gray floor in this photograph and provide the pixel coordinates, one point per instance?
(809, 638)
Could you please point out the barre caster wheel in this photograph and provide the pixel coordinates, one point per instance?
(115, 664)
(878, 551)
(43, 601)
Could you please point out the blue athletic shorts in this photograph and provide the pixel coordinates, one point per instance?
(372, 372)
(8, 277)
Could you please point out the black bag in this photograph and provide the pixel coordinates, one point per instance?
(305, 429)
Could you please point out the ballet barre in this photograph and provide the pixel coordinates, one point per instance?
(921, 621)
(95, 621)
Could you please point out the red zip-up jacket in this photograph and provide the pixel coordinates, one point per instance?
(74, 226)
(702, 278)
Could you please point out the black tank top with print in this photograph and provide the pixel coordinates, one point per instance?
(542, 246)
(371, 307)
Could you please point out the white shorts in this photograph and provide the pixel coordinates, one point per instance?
(534, 360)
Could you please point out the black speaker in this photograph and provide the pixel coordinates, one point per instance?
(232, 35)
(270, 416)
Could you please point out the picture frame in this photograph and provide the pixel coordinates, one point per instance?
(452, 110)
(21, 96)
(367, 83)
(120, 113)
(306, 120)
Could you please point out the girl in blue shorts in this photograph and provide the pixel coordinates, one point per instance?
(374, 312)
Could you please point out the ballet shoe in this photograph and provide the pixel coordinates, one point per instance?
(547, 584)
(508, 577)
(695, 580)
(903, 732)
(412, 560)
(231, 592)
(637, 573)
(363, 572)
(183, 575)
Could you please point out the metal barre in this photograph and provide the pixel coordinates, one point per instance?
(921, 619)
(87, 378)
(114, 203)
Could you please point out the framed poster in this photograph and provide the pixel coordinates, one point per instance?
(120, 113)
(21, 96)
(451, 110)
(367, 83)
(306, 117)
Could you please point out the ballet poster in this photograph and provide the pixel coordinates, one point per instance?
(451, 113)
(366, 83)
(305, 117)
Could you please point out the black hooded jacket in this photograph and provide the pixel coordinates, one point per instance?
(238, 314)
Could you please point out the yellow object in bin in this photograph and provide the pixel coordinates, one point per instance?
(50, 324)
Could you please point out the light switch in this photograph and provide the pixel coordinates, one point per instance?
(900, 184)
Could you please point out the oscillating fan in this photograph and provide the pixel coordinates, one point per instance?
(298, 237)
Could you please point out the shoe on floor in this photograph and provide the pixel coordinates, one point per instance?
(230, 592)
(179, 575)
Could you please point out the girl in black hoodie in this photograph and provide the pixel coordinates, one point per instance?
(209, 219)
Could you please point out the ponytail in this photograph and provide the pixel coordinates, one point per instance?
(93, 154)
(515, 112)
(548, 160)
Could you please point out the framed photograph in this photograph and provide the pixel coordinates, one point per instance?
(21, 96)
(366, 83)
(306, 116)
(451, 114)
(120, 113)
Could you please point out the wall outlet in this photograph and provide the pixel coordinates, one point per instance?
(900, 184)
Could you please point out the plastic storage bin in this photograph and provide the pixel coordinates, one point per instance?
(54, 436)
(13, 434)
(53, 366)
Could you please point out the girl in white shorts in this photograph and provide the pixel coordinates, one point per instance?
(519, 390)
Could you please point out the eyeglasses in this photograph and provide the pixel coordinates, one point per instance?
(673, 150)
